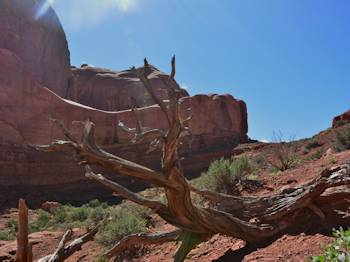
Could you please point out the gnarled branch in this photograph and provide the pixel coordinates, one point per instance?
(63, 252)
(142, 239)
(253, 219)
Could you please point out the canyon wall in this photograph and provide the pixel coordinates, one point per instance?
(38, 40)
(35, 81)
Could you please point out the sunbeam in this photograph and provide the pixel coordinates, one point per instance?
(42, 8)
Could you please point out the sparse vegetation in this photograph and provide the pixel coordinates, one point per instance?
(343, 140)
(67, 216)
(123, 219)
(314, 143)
(283, 156)
(9, 233)
(225, 175)
(340, 123)
(338, 250)
(316, 155)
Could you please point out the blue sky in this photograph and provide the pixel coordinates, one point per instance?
(289, 60)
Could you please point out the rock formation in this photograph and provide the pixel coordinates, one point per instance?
(34, 76)
(345, 117)
(114, 91)
(39, 41)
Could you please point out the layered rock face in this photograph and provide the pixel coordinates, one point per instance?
(38, 40)
(218, 124)
(345, 117)
(29, 73)
(114, 91)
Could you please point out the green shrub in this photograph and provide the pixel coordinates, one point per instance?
(9, 233)
(41, 223)
(338, 250)
(97, 214)
(314, 143)
(224, 175)
(79, 214)
(340, 123)
(118, 221)
(316, 155)
(60, 215)
(343, 140)
(67, 216)
(124, 220)
(94, 203)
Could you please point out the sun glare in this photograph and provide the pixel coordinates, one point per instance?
(42, 8)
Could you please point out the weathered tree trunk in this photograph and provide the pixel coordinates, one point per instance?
(253, 219)
(22, 254)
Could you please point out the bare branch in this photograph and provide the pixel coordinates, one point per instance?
(93, 154)
(142, 75)
(63, 252)
(63, 128)
(126, 129)
(122, 191)
(140, 133)
(173, 70)
(58, 255)
(77, 243)
(142, 239)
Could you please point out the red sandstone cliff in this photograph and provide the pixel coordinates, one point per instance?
(35, 66)
(40, 43)
(114, 91)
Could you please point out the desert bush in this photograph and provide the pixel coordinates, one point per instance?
(80, 214)
(124, 220)
(42, 221)
(283, 156)
(67, 216)
(224, 175)
(94, 203)
(338, 250)
(343, 140)
(314, 143)
(316, 155)
(340, 123)
(9, 233)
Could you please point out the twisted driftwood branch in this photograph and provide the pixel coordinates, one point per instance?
(142, 239)
(64, 251)
(256, 220)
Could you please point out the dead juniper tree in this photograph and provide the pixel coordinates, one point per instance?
(256, 220)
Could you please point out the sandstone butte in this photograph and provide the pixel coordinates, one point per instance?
(37, 84)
